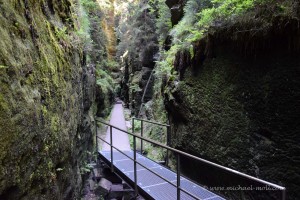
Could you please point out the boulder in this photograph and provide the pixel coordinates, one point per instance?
(104, 187)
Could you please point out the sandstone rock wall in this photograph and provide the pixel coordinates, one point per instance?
(237, 103)
(46, 101)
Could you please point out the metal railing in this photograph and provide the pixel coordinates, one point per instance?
(178, 154)
(168, 138)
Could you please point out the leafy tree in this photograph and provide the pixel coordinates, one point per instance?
(137, 36)
(163, 22)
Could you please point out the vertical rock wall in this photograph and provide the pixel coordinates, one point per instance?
(238, 103)
(138, 48)
(46, 98)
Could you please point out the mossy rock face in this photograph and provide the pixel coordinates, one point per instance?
(43, 125)
(241, 112)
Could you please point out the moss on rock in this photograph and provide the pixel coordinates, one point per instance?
(41, 101)
(236, 99)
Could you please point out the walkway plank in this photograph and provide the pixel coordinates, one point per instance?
(151, 184)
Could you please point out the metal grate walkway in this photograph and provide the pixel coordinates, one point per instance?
(152, 185)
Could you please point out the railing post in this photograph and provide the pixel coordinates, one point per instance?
(133, 125)
(96, 136)
(134, 166)
(168, 136)
(284, 194)
(168, 144)
(111, 150)
(178, 176)
(142, 133)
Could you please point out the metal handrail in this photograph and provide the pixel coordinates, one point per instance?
(149, 169)
(151, 122)
(159, 124)
(135, 162)
(178, 153)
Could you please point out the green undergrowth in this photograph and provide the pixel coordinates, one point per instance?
(200, 19)
(96, 41)
(104, 80)
(163, 22)
(152, 132)
(157, 134)
(206, 17)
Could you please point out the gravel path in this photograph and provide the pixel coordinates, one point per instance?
(120, 139)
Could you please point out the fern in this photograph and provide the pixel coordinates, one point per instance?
(223, 10)
(186, 28)
(104, 80)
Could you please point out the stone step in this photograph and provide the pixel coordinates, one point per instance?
(104, 187)
(115, 179)
(105, 184)
(116, 192)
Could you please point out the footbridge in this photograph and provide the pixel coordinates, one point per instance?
(152, 180)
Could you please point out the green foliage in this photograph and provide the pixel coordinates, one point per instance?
(95, 42)
(163, 22)
(110, 65)
(135, 87)
(288, 8)
(105, 4)
(137, 126)
(163, 68)
(185, 29)
(89, 5)
(84, 26)
(224, 10)
(61, 33)
(137, 130)
(165, 65)
(105, 81)
(183, 34)
(3, 67)
(85, 169)
(203, 16)
(137, 33)
(200, 16)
